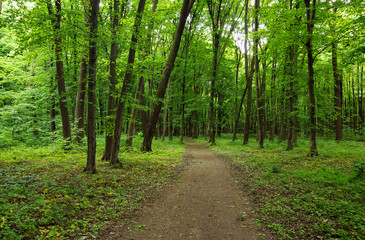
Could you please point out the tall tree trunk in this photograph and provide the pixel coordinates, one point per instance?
(246, 133)
(81, 91)
(91, 107)
(60, 76)
(109, 120)
(139, 97)
(257, 78)
(310, 13)
(126, 85)
(338, 92)
(148, 137)
(216, 39)
(292, 77)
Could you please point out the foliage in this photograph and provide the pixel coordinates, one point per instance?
(44, 195)
(299, 197)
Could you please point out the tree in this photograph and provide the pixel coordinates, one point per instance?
(109, 121)
(258, 83)
(60, 76)
(337, 89)
(91, 107)
(80, 97)
(248, 81)
(220, 13)
(151, 125)
(126, 84)
(311, 15)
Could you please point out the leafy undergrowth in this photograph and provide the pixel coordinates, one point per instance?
(45, 194)
(299, 197)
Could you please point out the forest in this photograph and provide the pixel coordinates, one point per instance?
(115, 87)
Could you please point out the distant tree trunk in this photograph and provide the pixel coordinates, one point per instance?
(66, 126)
(338, 92)
(126, 85)
(238, 55)
(183, 90)
(246, 134)
(171, 126)
(310, 13)
(91, 107)
(148, 136)
(166, 111)
(81, 91)
(216, 39)
(237, 117)
(361, 98)
(195, 112)
(52, 114)
(273, 102)
(139, 100)
(282, 126)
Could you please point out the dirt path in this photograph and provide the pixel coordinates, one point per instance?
(205, 205)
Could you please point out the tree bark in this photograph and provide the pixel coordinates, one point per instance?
(91, 107)
(126, 85)
(81, 92)
(292, 77)
(60, 76)
(148, 136)
(310, 14)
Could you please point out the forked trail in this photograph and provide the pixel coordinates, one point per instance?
(206, 204)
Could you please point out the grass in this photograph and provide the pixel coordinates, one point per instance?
(45, 194)
(299, 197)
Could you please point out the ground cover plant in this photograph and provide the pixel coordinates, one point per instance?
(45, 194)
(300, 197)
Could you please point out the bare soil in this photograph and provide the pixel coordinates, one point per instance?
(206, 204)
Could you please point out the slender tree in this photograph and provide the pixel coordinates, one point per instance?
(337, 90)
(91, 107)
(311, 16)
(139, 96)
(258, 85)
(248, 77)
(60, 76)
(109, 121)
(81, 92)
(126, 84)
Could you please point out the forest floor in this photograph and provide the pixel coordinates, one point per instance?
(206, 203)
